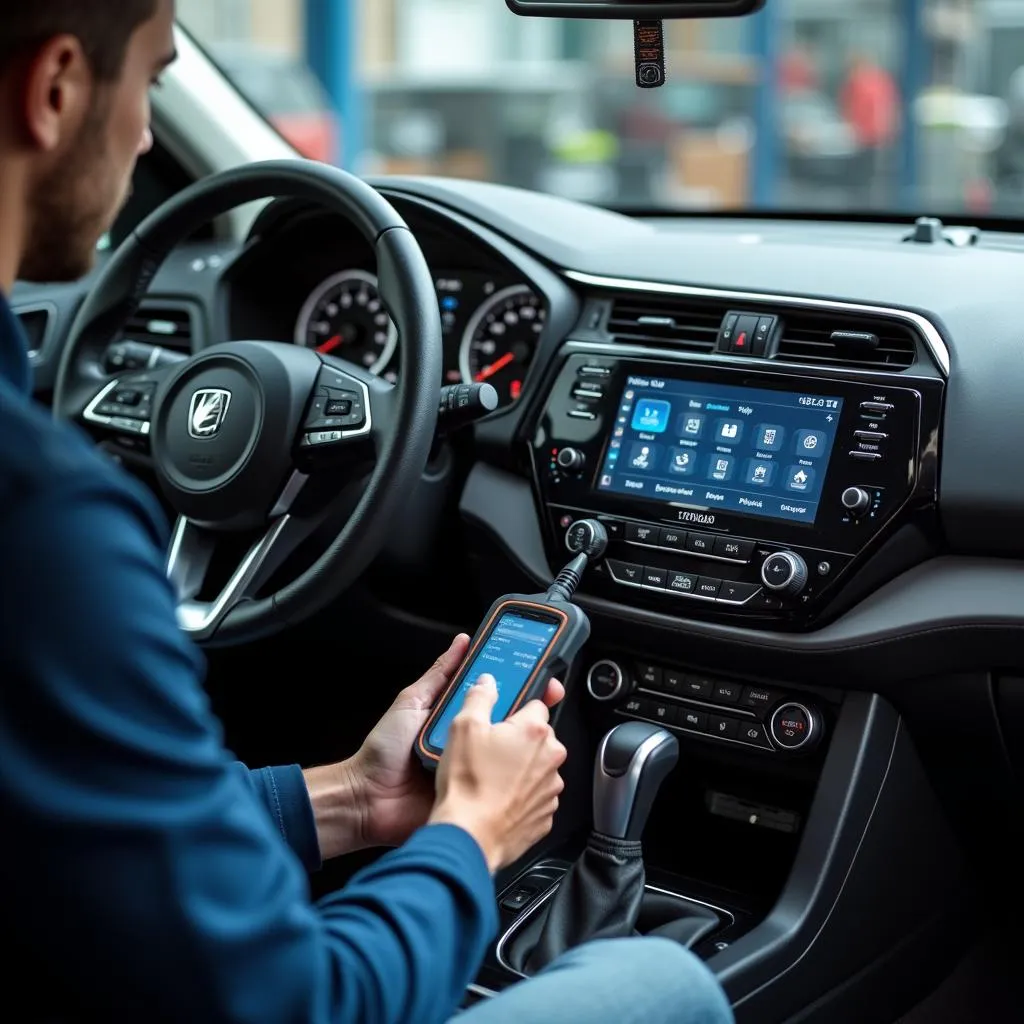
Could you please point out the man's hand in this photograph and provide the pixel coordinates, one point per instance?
(382, 795)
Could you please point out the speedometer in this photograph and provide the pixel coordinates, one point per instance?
(345, 316)
(500, 341)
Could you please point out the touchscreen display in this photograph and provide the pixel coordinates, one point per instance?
(510, 653)
(708, 446)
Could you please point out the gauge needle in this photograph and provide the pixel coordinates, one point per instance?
(330, 344)
(490, 371)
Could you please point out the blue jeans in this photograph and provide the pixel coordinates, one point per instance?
(621, 981)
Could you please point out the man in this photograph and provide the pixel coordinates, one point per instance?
(148, 876)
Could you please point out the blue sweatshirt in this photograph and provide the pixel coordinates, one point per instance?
(149, 875)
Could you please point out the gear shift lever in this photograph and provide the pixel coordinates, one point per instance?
(632, 763)
(600, 895)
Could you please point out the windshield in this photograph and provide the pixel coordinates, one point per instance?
(869, 106)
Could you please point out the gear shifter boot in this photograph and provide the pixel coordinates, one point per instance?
(599, 898)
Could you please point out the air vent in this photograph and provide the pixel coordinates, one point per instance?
(690, 326)
(35, 322)
(827, 339)
(164, 326)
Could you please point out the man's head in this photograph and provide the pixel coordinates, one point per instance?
(75, 77)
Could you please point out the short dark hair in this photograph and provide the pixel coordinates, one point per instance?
(103, 27)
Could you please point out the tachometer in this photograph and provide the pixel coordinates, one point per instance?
(345, 316)
(501, 339)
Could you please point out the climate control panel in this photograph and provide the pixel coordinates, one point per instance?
(707, 706)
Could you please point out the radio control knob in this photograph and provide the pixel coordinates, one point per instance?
(785, 572)
(607, 680)
(856, 500)
(571, 460)
(796, 727)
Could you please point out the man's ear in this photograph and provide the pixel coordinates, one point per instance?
(58, 92)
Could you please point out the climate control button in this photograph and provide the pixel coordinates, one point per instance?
(795, 727)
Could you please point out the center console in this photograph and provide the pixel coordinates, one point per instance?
(729, 492)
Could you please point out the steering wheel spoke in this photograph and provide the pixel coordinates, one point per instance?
(192, 555)
(124, 405)
(351, 411)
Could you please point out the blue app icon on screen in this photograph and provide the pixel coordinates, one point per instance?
(651, 415)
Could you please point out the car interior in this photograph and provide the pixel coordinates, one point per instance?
(799, 438)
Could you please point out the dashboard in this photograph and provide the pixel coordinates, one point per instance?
(802, 439)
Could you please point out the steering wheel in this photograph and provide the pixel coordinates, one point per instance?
(258, 444)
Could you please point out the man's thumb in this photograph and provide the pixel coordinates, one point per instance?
(481, 698)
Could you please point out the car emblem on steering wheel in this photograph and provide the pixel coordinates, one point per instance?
(207, 411)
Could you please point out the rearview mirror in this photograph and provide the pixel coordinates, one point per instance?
(634, 10)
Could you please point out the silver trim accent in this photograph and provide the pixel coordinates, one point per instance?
(679, 593)
(113, 422)
(481, 990)
(291, 491)
(615, 795)
(811, 725)
(593, 536)
(318, 293)
(187, 561)
(796, 566)
(933, 340)
(862, 502)
(706, 735)
(728, 918)
(618, 686)
(681, 700)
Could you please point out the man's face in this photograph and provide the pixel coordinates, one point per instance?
(79, 194)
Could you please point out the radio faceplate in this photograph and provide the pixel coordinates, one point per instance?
(730, 491)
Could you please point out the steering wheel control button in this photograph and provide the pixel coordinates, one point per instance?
(793, 727)
(785, 572)
(627, 573)
(733, 549)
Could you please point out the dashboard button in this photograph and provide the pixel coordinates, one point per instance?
(655, 577)
(616, 527)
(736, 593)
(743, 339)
(724, 727)
(581, 414)
(700, 543)
(605, 680)
(588, 392)
(637, 706)
(866, 456)
(730, 547)
(649, 675)
(662, 712)
(792, 726)
(758, 698)
(754, 732)
(707, 586)
(595, 371)
(877, 406)
(626, 572)
(697, 686)
(688, 718)
(641, 533)
(763, 334)
(870, 435)
(674, 682)
(726, 693)
(683, 582)
(672, 538)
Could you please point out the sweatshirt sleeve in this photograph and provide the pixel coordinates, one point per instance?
(151, 869)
